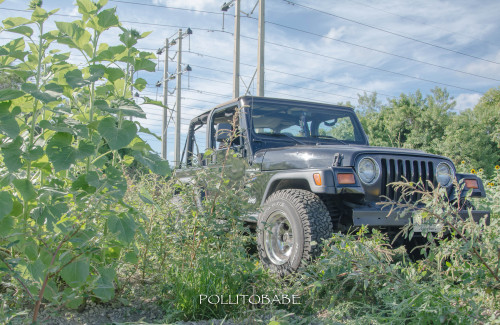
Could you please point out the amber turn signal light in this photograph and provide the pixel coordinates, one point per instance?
(471, 183)
(346, 178)
(317, 179)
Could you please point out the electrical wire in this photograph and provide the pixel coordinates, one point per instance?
(388, 31)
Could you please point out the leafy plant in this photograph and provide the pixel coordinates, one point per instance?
(64, 144)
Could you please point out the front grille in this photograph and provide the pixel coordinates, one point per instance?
(396, 170)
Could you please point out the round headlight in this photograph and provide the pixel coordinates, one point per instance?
(444, 174)
(368, 170)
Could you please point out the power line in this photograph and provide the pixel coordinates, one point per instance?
(364, 65)
(168, 7)
(388, 31)
(380, 51)
(420, 22)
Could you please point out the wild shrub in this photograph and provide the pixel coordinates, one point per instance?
(65, 139)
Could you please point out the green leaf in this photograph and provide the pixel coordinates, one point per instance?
(8, 94)
(26, 189)
(96, 72)
(117, 137)
(40, 15)
(144, 64)
(15, 50)
(23, 30)
(37, 270)
(128, 108)
(107, 19)
(75, 79)
(147, 131)
(41, 96)
(113, 74)
(140, 84)
(75, 36)
(115, 183)
(76, 273)
(152, 161)
(8, 123)
(51, 214)
(11, 152)
(85, 149)
(105, 289)
(6, 204)
(60, 151)
(6, 225)
(123, 226)
(131, 257)
(86, 7)
(12, 22)
(34, 154)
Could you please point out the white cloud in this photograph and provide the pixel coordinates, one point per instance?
(465, 101)
(213, 5)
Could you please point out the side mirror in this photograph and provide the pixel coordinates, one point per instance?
(223, 132)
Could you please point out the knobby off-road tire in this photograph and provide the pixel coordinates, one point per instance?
(291, 220)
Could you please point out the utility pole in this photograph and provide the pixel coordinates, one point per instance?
(177, 161)
(236, 75)
(260, 54)
(165, 101)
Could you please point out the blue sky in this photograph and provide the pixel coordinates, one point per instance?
(329, 53)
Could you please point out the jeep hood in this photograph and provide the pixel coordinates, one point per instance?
(321, 156)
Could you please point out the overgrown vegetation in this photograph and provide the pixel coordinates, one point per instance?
(77, 226)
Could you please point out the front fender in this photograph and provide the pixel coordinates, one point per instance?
(475, 192)
(329, 184)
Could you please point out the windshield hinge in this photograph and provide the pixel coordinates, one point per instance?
(337, 159)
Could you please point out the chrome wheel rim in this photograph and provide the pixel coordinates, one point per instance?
(278, 238)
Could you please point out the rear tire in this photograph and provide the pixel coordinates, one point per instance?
(289, 224)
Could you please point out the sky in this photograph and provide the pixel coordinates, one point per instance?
(324, 51)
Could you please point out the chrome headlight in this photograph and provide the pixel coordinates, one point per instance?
(444, 174)
(368, 170)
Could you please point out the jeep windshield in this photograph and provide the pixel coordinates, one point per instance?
(306, 124)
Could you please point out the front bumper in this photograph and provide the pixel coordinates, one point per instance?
(384, 217)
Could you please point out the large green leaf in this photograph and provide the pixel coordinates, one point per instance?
(8, 94)
(74, 78)
(96, 72)
(125, 106)
(36, 270)
(66, 124)
(123, 226)
(140, 84)
(23, 30)
(114, 74)
(41, 96)
(11, 152)
(144, 64)
(8, 123)
(117, 137)
(76, 36)
(104, 286)
(26, 189)
(60, 151)
(115, 183)
(15, 21)
(6, 225)
(6, 204)
(76, 273)
(104, 20)
(152, 161)
(15, 50)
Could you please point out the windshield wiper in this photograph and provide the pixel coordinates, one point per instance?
(283, 135)
(328, 137)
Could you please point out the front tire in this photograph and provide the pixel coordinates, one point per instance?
(289, 224)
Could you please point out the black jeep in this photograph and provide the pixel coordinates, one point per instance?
(320, 173)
